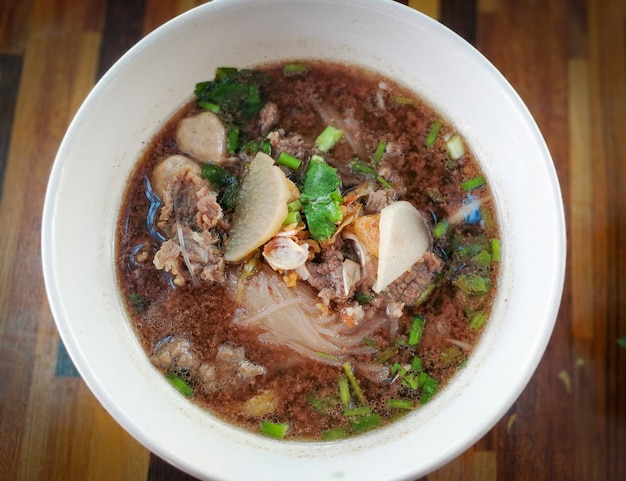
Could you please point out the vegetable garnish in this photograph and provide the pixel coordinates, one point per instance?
(180, 384)
(344, 391)
(455, 147)
(357, 165)
(380, 151)
(432, 133)
(365, 423)
(495, 250)
(274, 430)
(440, 229)
(362, 298)
(234, 95)
(224, 181)
(399, 403)
(474, 183)
(295, 68)
(415, 333)
(472, 284)
(328, 138)
(288, 160)
(347, 367)
(429, 387)
(357, 411)
(321, 199)
(336, 433)
(477, 321)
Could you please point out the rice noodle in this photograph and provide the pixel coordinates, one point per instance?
(181, 240)
(289, 317)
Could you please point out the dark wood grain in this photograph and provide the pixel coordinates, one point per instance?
(567, 61)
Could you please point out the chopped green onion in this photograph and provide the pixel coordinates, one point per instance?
(295, 68)
(424, 295)
(473, 183)
(380, 150)
(432, 133)
(180, 384)
(347, 367)
(257, 145)
(386, 355)
(289, 160)
(495, 250)
(321, 405)
(399, 403)
(294, 206)
(416, 365)
(429, 387)
(455, 147)
(415, 333)
(328, 138)
(210, 106)
(472, 284)
(402, 100)
(336, 433)
(327, 356)
(366, 422)
(344, 391)
(275, 430)
(440, 229)
(478, 320)
(357, 411)
(363, 298)
(222, 73)
(483, 258)
(232, 140)
(357, 165)
(293, 217)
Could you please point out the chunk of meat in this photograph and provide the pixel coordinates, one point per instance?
(202, 256)
(203, 136)
(327, 275)
(294, 144)
(268, 117)
(409, 286)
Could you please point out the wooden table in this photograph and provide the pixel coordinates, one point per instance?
(566, 59)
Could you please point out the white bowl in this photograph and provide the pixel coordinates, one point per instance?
(152, 81)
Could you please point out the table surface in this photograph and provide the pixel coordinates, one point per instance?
(566, 59)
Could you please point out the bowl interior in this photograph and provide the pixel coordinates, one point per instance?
(152, 81)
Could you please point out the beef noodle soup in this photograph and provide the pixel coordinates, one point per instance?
(307, 250)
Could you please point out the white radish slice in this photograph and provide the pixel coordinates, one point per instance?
(404, 239)
(260, 208)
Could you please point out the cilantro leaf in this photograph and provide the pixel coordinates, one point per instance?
(321, 199)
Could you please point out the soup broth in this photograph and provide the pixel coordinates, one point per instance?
(307, 250)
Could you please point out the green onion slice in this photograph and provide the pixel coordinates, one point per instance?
(180, 384)
(289, 160)
(432, 133)
(328, 138)
(415, 333)
(274, 430)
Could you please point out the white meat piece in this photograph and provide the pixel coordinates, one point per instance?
(203, 136)
(174, 353)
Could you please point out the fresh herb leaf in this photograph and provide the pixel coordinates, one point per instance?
(321, 199)
(235, 95)
(224, 181)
